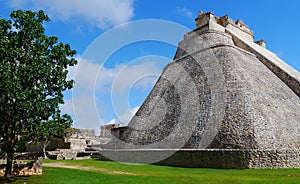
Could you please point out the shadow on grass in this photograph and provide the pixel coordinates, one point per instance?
(14, 179)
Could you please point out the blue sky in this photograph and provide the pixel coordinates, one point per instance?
(111, 89)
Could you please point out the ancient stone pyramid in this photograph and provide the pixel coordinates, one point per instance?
(224, 102)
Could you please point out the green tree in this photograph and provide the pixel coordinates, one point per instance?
(33, 76)
(48, 130)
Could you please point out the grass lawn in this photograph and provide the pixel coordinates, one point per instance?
(94, 171)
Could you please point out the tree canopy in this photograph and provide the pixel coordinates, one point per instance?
(33, 77)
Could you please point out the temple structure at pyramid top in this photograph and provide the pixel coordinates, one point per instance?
(211, 22)
(243, 37)
(224, 102)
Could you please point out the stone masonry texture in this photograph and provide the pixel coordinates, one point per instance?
(222, 102)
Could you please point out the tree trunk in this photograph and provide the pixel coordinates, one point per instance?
(45, 155)
(44, 151)
(9, 163)
(44, 146)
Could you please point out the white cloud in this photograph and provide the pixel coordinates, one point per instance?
(185, 12)
(84, 73)
(85, 111)
(141, 75)
(124, 118)
(102, 13)
(113, 121)
(92, 76)
(88, 106)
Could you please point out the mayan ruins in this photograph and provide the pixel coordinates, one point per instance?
(225, 101)
(78, 143)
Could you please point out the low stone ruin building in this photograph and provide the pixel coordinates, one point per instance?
(81, 139)
(76, 141)
(79, 143)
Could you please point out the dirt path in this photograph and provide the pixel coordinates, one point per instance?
(79, 167)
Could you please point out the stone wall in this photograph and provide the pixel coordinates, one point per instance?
(220, 97)
(230, 101)
(80, 139)
(76, 141)
(21, 168)
(283, 71)
(63, 154)
(106, 130)
(210, 158)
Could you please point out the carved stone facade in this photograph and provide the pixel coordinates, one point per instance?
(81, 139)
(224, 93)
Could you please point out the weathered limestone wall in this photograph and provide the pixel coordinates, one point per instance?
(63, 154)
(106, 130)
(211, 158)
(286, 73)
(76, 142)
(228, 100)
(80, 139)
(21, 168)
(82, 133)
(260, 111)
(243, 37)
